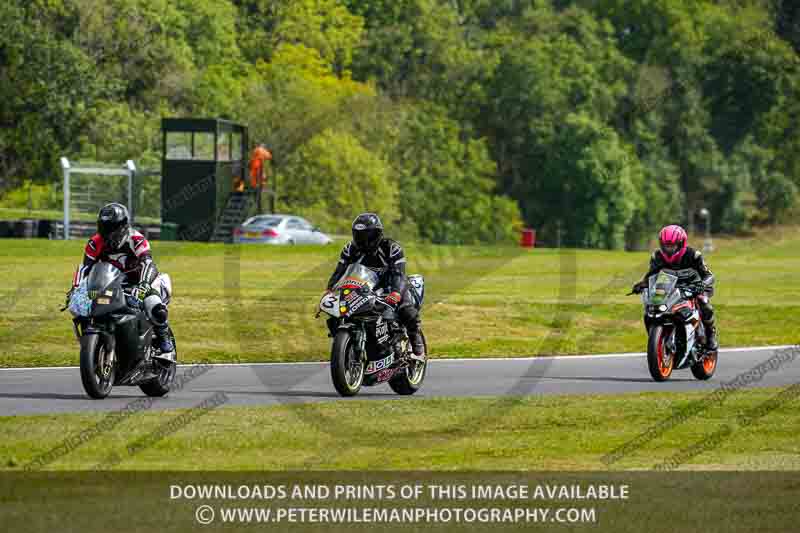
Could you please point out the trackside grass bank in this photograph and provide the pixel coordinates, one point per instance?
(257, 303)
(512, 433)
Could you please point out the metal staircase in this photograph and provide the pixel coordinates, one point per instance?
(240, 205)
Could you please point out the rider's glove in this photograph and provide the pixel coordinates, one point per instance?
(394, 298)
(638, 287)
(141, 291)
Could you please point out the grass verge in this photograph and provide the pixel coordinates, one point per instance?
(525, 433)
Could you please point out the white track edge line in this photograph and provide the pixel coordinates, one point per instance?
(443, 360)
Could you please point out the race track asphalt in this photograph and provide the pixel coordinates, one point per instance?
(59, 390)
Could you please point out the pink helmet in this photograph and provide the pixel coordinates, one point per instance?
(672, 243)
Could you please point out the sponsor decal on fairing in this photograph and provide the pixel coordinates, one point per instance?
(375, 366)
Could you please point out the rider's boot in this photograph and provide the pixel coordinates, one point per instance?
(417, 342)
(157, 313)
(409, 317)
(163, 338)
(711, 335)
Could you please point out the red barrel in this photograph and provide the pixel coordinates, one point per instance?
(528, 238)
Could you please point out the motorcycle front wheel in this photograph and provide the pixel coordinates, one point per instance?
(659, 362)
(98, 366)
(347, 368)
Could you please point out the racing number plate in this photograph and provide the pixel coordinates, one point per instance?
(329, 302)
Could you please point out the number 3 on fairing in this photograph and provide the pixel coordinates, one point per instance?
(329, 301)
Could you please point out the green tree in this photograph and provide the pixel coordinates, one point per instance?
(140, 43)
(589, 188)
(294, 97)
(448, 183)
(324, 25)
(47, 87)
(332, 178)
(538, 85)
(661, 192)
(773, 192)
(209, 28)
(117, 132)
(424, 49)
(748, 73)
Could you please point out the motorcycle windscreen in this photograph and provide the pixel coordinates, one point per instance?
(357, 276)
(103, 277)
(660, 286)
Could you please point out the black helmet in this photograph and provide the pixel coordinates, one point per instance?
(367, 232)
(112, 224)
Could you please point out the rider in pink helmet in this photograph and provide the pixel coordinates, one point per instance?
(673, 253)
(672, 244)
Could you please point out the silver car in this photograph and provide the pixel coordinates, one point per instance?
(279, 229)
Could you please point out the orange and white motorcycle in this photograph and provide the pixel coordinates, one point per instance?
(677, 337)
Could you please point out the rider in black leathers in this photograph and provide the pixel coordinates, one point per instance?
(127, 249)
(384, 256)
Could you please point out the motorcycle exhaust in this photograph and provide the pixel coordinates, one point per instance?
(167, 358)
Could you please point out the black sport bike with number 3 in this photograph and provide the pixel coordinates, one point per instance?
(370, 346)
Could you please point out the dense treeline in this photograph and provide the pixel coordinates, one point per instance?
(594, 121)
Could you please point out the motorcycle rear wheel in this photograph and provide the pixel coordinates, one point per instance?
(347, 371)
(705, 368)
(656, 346)
(160, 386)
(409, 380)
(97, 373)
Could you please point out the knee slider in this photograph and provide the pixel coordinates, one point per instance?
(155, 310)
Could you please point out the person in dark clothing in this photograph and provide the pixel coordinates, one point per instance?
(127, 249)
(385, 257)
(673, 253)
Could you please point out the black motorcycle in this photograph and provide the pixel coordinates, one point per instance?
(370, 345)
(118, 345)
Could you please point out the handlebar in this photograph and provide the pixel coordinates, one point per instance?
(696, 288)
(382, 301)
